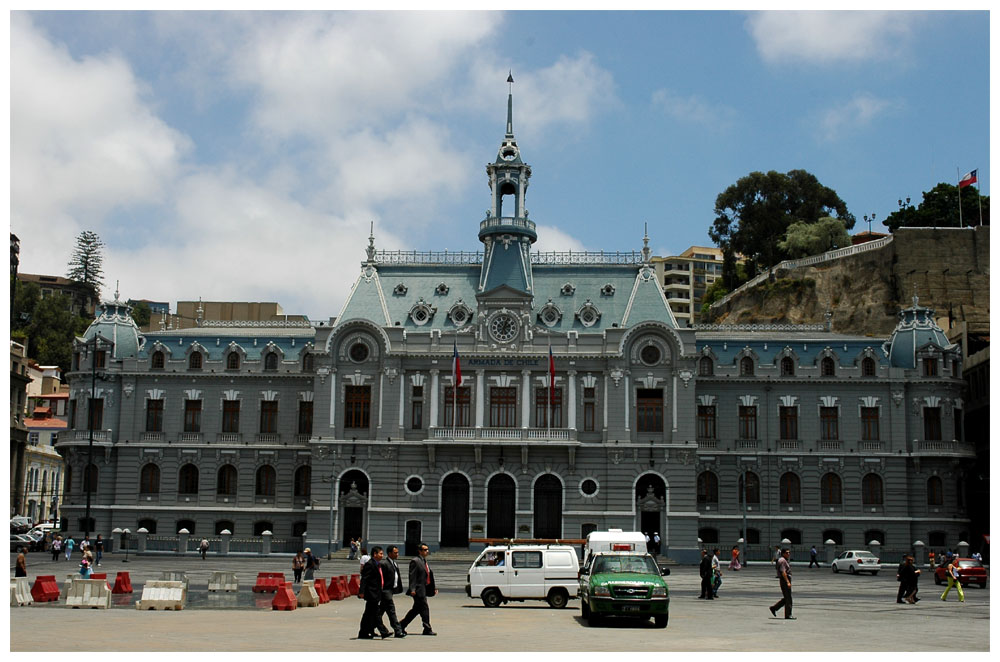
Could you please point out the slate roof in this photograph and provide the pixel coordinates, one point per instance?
(807, 345)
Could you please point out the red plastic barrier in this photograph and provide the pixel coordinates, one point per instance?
(123, 583)
(269, 582)
(45, 589)
(284, 598)
(333, 590)
(342, 585)
(321, 591)
(101, 575)
(354, 585)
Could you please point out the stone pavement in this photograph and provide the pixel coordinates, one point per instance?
(834, 613)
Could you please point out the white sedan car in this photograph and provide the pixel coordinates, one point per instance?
(855, 561)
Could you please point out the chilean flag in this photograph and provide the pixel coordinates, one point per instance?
(552, 374)
(456, 368)
(968, 179)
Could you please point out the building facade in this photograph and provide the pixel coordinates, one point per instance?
(507, 393)
(685, 278)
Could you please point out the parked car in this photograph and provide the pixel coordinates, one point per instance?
(524, 572)
(855, 561)
(37, 539)
(19, 524)
(624, 584)
(18, 540)
(970, 571)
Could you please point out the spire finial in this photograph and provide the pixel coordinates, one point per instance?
(116, 291)
(915, 298)
(645, 243)
(201, 313)
(510, 104)
(371, 244)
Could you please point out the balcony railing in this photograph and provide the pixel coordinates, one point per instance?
(747, 443)
(507, 222)
(99, 435)
(229, 437)
(708, 443)
(151, 436)
(829, 445)
(935, 445)
(190, 437)
(512, 434)
(789, 445)
(268, 438)
(869, 445)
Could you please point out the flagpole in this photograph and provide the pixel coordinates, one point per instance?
(454, 390)
(958, 173)
(979, 198)
(548, 419)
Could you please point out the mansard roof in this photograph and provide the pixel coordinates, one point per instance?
(252, 338)
(768, 342)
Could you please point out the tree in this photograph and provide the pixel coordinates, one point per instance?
(87, 260)
(939, 208)
(141, 313)
(52, 329)
(26, 298)
(754, 214)
(824, 235)
(713, 293)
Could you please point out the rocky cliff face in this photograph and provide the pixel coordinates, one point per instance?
(948, 267)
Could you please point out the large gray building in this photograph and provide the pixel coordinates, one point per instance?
(581, 405)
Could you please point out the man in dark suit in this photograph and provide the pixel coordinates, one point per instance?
(705, 569)
(393, 586)
(373, 581)
(421, 587)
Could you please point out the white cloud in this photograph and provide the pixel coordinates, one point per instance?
(551, 238)
(84, 140)
(694, 109)
(824, 37)
(855, 113)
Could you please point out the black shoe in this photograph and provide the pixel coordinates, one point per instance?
(429, 633)
(400, 634)
(899, 602)
(772, 610)
(790, 618)
(385, 635)
(366, 636)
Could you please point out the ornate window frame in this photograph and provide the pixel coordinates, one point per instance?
(588, 314)
(464, 313)
(550, 314)
(421, 313)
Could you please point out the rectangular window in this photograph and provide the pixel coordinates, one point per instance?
(789, 422)
(72, 413)
(357, 407)
(305, 417)
(463, 419)
(649, 410)
(96, 413)
(99, 359)
(154, 415)
(542, 407)
(959, 432)
(417, 408)
(932, 423)
(748, 422)
(706, 422)
(869, 424)
(192, 415)
(526, 559)
(828, 428)
(588, 416)
(230, 415)
(930, 368)
(503, 407)
(268, 416)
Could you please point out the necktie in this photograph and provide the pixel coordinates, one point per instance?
(381, 576)
(427, 567)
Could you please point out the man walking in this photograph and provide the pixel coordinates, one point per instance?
(421, 587)
(99, 548)
(373, 581)
(785, 577)
(812, 557)
(908, 576)
(393, 586)
(705, 569)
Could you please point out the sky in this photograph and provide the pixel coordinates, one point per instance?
(243, 156)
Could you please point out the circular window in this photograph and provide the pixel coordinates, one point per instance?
(503, 327)
(458, 316)
(650, 355)
(419, 315)
(588, 316)
(414, 485)
(359, 352)
(588, 487)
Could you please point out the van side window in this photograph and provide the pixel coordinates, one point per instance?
(526, 559)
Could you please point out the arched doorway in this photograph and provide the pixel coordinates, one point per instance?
(455, 511)
(650, 500)
(353, 505)
(500, 506)
(548, 507)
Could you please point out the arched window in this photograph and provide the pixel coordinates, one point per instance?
(158, 361)
(746, 367)
(149, 479)
(836, 535)
(90, 476)
(232, 361)
(708, 535)
(271, 361)
(937, 539)
(185, 524)
(787, 367)
(935, 491)
(265, 482)
(224, 525)
(871, 490)
(752, 488)
(298, 529)
(868, 367)
(226, 481)
(874, 534)
(705, 367)
(187, 479)
(827, 367)
(194, 361)
(260, 527)
(148, 524)
(830, 490)
(303, 481)
(794, 536)
(790, 489)
(308, 363)
(708, 488)
(752, 537)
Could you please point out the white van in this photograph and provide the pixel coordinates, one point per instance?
(524, 572)
(614, 540)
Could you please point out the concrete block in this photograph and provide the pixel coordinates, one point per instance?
(161, 594)
(223, 581)
(92, 593)
(308, 597)
(173, 576)
(20, 592)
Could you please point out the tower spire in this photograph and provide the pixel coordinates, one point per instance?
(510, 104)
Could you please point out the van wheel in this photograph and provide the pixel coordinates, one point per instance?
(492, 598)
(558, 598)
(660, 621)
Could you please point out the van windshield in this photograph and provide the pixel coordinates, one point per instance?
(626, 563)
(490, 559)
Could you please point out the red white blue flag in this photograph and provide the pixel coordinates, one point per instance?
(968, 179)
(456, 368)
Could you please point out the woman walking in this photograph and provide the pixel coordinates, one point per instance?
(951, 572)
(298, 564)
(56, 548)
(735, 563)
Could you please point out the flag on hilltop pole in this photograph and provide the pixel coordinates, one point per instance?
(968, 179)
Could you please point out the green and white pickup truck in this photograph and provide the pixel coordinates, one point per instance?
(624, 584)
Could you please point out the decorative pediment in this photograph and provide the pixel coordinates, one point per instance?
(305, 396)
(588, 381)
(269, 395)
(193, 394)
(707, 400)
(418, 379)
(748, 400)
(788, 401)
(503, 380)
(155, 394)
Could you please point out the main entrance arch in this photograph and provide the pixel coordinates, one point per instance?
(548, 507)
(455, 511)
(501, 494)
(650, 502)
(353, 505)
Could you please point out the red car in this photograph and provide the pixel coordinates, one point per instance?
(970, 571)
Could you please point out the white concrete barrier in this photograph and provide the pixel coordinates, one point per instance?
(93, 593)
(308, 597)
(68, 583)
(20, 592)
(160, 594)
(223, 581)
(173, 576)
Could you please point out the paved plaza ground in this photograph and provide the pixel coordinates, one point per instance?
(834, 613)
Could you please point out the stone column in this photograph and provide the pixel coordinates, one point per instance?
(627, 388)
(182, 541)
(433, 422)
(333, 399)
(141, 545)
(265, 548)
(919, 554)
(402, 403)
(227, 536)
(829, 551)
(381, 392)
(571, 399)
(875, 547)
(525, 398)
(480, 398)
(963, 549)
